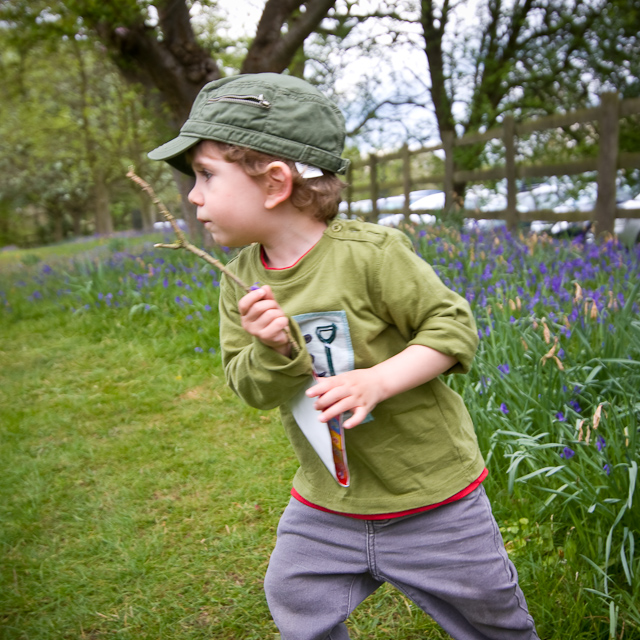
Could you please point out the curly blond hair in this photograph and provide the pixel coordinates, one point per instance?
(321, 196)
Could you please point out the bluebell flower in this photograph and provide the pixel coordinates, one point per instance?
(503, 368)
(567, 453)
(607, 469)
(198, 349)
(207, 307)
(600, 443)
(560, 416)
(504, 408)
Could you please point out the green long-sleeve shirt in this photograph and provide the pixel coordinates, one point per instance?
(359, 297)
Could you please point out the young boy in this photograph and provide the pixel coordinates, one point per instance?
(377, 328)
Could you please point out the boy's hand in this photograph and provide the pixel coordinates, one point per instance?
(361, 390)
(358, 391)
(262, 317)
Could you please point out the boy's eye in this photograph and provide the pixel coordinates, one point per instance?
(205, 174)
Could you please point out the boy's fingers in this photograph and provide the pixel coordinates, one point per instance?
(246, 302)
(321, 387)
(331, 397)
(268, 293)
(336, 409)
(358, 416)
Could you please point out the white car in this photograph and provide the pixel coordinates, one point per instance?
(628, 229)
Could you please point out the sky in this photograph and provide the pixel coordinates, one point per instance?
(399, 70)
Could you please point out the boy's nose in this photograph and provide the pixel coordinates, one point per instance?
(195, 197)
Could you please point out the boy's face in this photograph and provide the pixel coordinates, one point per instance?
(230, 203)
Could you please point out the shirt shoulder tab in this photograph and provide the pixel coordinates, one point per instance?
(362, 232)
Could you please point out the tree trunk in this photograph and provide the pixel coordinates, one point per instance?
(185, 184)
(76, 217)
(103, 220)
(147, 212)
(58, 231)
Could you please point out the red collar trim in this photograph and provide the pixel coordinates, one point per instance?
(263, 258)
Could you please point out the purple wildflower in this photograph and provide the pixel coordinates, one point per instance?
(560, 416)
(504, 408)
(503, 368)
(607, 469)
(198, 350)
(165, 282)
(567, 453)
(207, 307)
(575, 406)
(600, 443)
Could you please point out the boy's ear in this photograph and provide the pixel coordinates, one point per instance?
(278, 182)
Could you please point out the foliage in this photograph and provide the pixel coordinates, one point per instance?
(69, 125)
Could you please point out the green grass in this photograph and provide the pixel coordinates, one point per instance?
(139, 498)
(57, 253)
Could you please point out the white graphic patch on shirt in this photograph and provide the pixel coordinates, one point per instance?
(328, 341)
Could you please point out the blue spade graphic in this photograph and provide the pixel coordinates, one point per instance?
(327, 334)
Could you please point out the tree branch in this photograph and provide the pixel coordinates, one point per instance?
(271, 50)
(183, 243)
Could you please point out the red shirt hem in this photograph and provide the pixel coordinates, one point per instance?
(397, 514)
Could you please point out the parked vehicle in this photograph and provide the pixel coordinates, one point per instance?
(481, 199)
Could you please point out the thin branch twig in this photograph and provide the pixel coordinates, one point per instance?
(183, 243)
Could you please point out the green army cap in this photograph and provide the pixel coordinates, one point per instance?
(276, 114)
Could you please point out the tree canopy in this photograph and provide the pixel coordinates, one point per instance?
(101, 83)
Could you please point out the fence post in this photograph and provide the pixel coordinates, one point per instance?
(605, 210)
(508, 137)
(373, 176)
(406, 181)
(447, 145)
(349, 179)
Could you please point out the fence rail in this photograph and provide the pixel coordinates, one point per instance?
(606, 118)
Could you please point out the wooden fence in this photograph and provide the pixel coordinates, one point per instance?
(606, 118)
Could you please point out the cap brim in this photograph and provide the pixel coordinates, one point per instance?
(173, 153)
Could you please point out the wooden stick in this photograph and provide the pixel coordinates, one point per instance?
(183, 243)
